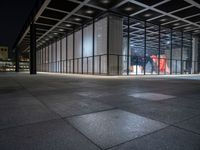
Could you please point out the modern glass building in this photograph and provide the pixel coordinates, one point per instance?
(113, 37)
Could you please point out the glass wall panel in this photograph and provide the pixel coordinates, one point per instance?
(63, 63)
(165, 50)
(50, 55)
(176, 52)
(101, 46)
(78, 52)
(47, 58)
(152, 49)
(54, 57)
(137, 38)
(43, 57)
(37, 59)
(87, 48)
(40, 55)
(70, 53)
(187, 53)
(58, 56)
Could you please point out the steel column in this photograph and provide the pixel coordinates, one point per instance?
(33, 49)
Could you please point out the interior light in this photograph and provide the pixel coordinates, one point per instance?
(147, 15)
(55, 33)
(68, 25)
(168, 42)
(89, 11)
(77, 19)
(105, 1)
(128, 9)
(61, 30)
(162, 20)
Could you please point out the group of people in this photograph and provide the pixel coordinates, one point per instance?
(151, 63)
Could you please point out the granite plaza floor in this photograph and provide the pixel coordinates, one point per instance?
(72, 112)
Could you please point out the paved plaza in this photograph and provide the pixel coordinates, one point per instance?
(74, 112)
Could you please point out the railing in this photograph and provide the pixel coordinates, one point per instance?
(120, 65)
(9, 66)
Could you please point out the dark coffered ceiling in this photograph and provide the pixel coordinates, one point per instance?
(58, 17)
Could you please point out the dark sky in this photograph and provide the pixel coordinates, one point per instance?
(13, 14)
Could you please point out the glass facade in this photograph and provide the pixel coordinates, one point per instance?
(119, 45)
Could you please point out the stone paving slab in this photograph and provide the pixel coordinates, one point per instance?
(170, 138)
(50, 135)
(110, 128)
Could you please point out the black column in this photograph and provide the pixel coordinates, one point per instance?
(159, 48)
(93, 46)
(171, 40)
(182, 52)
(82, 49)
(191, 52)
(108, 46)
(61, 62)
(73, 51)
(198, 55)
(128, 46)
(56, 46)
(145, 45)
(66, 54)
(16, 60)
(33, 49)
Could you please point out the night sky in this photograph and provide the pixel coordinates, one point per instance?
(13, 14)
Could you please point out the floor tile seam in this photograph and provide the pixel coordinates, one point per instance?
(125, 103)
(162, 102)
(186, 119)
(187, 130)
(93, 112)
(167, 123)
(55, 113)
(29, 124)
(140, 137)
(68, 122)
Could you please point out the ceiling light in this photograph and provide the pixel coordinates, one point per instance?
(89, 11)
(147, 15)
(46, 39)
(55, 33)
(68, 25)
(77, 19)
(105, 1)
(128, 9)
(162, 20)
(61, 30)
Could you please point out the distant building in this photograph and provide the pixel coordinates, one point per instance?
(3, 53)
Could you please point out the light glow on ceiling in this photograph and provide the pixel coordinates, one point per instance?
(128, 8)
(105, 1)
(89, 11)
